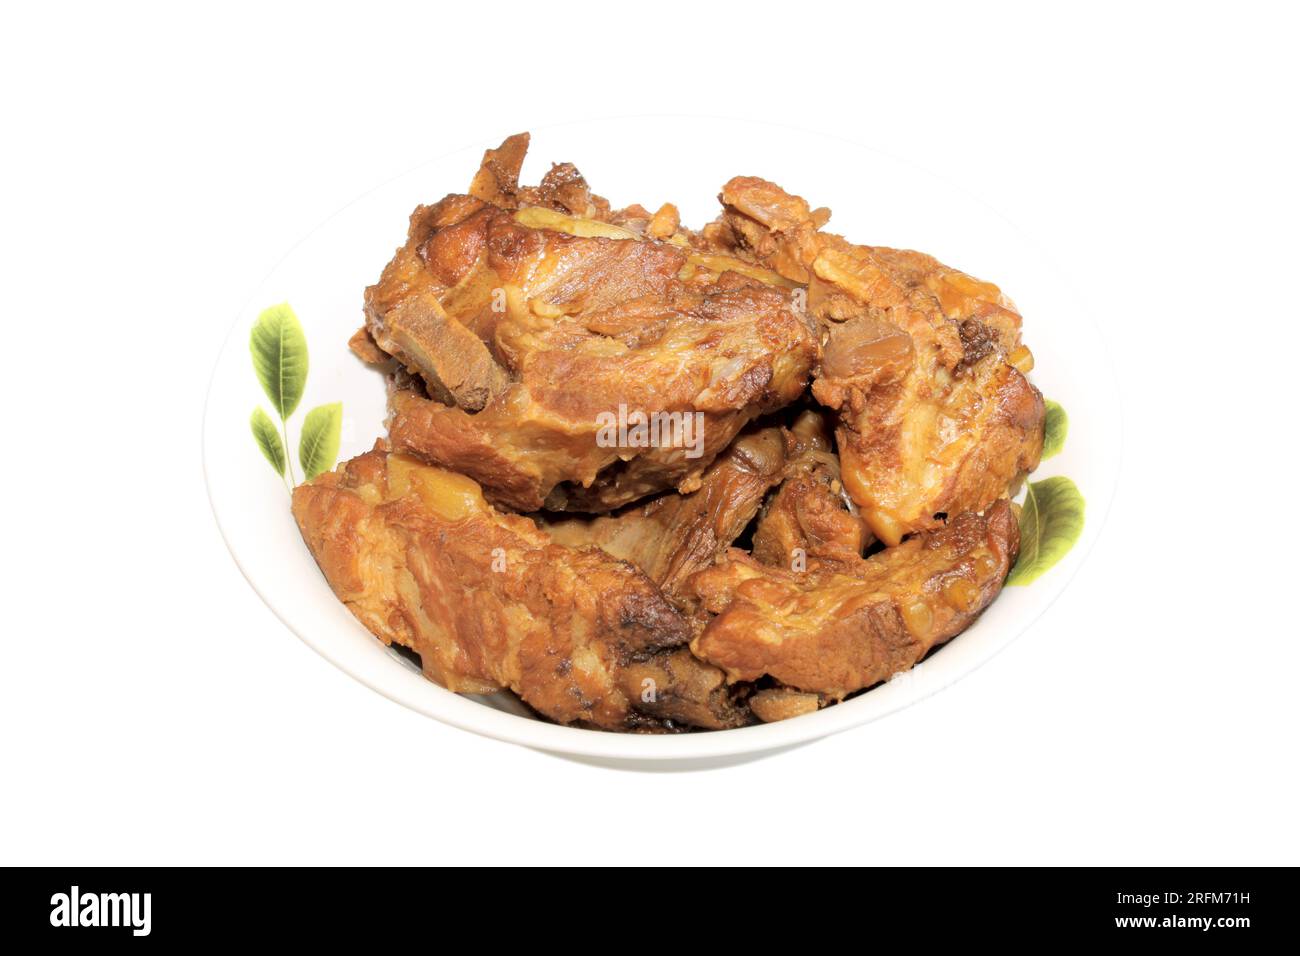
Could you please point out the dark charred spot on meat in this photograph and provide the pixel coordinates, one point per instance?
(650, 615)
(977, 341)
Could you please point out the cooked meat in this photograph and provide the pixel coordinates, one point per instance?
(497, 180)
(696, 370)
(922, 363)
(644, 394)
(678, 689)
(837, 629)
(782, 703)
(488, 602)
(563, 188)
(364, 347)
(675, 535)
(528, 324)
(811, 517)
(451, 358)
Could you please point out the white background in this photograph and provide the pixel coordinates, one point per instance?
(156, 163)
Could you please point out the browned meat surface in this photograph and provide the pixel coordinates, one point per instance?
(527, 323)
(680, 690)
(922, 363)
(811, 517)
(726, 354)
(838, 629)
(644, 397)
(675, 535)
(782, 703)
(488, 602)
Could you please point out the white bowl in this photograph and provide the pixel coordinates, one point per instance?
(650, 160)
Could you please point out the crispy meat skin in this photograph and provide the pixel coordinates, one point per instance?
(921, 363)
(488, 602)
(527, 322)
(838, 629)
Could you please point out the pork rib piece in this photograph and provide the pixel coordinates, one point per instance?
(488, 602)
(674, 535)
(811, 517)
(838, 628)
(528, 322)
(922, 363)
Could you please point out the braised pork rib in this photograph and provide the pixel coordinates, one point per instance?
(650, 478)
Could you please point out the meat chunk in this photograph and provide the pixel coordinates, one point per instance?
(922, 363)
(838, 629)
(530, 322)
(488, 602)
(781, 703)
(675, 535)
(810, 518)
(646, 395)
(497, 180)
(678, 689)
(696, 367)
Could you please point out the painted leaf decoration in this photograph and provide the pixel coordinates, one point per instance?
(279, 350)
(268, 439)
(1055, 428)
(318, 448)
(1051, 520)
